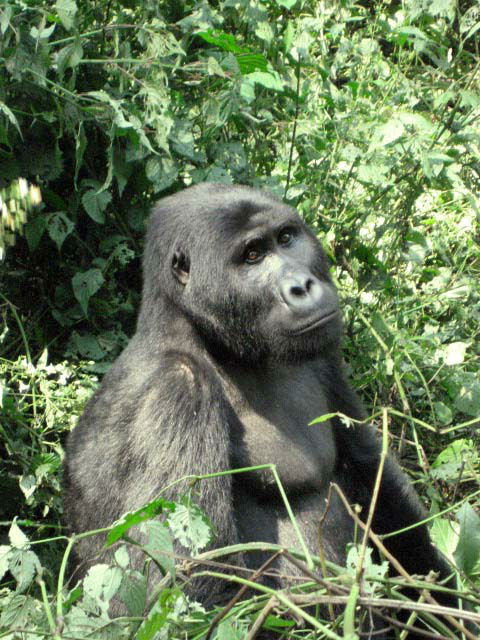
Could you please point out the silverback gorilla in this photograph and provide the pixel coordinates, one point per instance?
(237, 349)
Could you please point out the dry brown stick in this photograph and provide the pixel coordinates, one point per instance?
(379, 544)
(239, 594)
(389, 603)
(257, 625)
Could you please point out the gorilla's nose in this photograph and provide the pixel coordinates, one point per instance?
(302, 292)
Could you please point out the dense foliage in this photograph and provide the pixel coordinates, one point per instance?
(364, 115)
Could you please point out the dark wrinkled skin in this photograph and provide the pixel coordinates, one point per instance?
(237, 349)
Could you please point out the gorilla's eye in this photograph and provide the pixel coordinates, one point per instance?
(253, 254)
(285, 237)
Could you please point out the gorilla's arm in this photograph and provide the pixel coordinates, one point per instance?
(146, 427)
(397, 506)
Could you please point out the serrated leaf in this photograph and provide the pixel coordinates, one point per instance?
(23, 565)
(445, 536)
(222, 40)
(190, 526)
(59, 227)
(270, 80)
(387, 133)
(373, 174)
(150, 510)
(88, 346)
(17, 538)
(95, 204)
(66, 10)
(69, 57)
(85, 285)
(133, 593)
(467, 553)
(159, 544)
(250, 62)
(28, 484)
(101, 583)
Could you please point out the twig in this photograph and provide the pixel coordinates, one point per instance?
(264, 613)
(239, 594)
(401, 571)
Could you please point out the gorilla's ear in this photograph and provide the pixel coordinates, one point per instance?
(181, 266)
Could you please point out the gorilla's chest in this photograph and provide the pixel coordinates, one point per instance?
(270, 426)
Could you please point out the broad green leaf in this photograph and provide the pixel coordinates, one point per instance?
(66, 10)
(444, 534)
(270, 80)
(190, 526)
(133, 593)
(69, 57)
(222, 40)
(101, 583)
(288, 4)
(386, 134)
(34, 230)
(159, 544)
(17, 538)
(467, 553)
(10, 116)
(95, 203)
(88, 346)
(85, 285)
(59, 227)
(23, 565)
(129, 520)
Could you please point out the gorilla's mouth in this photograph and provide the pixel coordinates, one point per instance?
(318, 322)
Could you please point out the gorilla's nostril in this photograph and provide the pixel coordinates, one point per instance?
(297, 291)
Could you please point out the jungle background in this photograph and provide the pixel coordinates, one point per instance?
(364, 116)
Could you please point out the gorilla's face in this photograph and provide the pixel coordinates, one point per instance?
(255, 283)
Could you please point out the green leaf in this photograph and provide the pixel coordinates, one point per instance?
(159, 544)
(66, 10)
(34, 230)
(222, 40)
(69, 57)
(445, 536)
(133, 593)
(162, 172)
(101, 583)
(150, 510)
(95, 202)
(190, 526)
(269, 80)
(23, 565)
(4, 555)
(467, 553)
(288, 4)
(10, 116)
(85, 285)
(325, 418)
(59, 227)
(88, 346)
(17, 538)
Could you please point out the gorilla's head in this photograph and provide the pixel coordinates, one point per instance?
(246, 272)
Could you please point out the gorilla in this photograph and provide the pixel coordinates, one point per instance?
(237, 350)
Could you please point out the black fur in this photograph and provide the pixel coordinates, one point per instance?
(224, 372)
